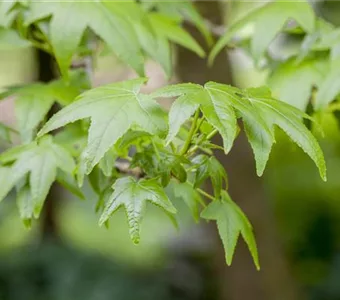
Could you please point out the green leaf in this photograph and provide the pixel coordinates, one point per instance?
(75, 17)
(31, 107)
(329, 88)
(222, 104)
(289, 119)
(133, 195)
(170, 29)
(10, 40)
(185, 10)
(269, 20)
(41, 162)
(69, 183)
(5, 133)
(25, 205)
(6, 181)
(210, 167)
(231, 222)
(6, 14)
(190, 196)
(293, 83)
(113, 109)
(33, 102)
(218, 112)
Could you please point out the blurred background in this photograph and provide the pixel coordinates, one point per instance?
(296, 216)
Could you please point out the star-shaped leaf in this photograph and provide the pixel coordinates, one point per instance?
(113, 109)
(269, 20)
(210, 167)
(133, 195)
(231, 222)
(40, 161)
(221, 104)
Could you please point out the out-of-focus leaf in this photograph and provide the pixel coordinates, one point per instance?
(268, 21)
(293, 83)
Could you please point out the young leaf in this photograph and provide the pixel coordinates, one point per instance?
(190, 196)
(133, 195)
(269, 20)
(41, 162)
(210, 167)
(113, 109)
(231, 222)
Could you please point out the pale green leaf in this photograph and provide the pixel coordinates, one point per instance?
(268, 21)
(75, 17)
(231, 222)
(25, 205)
(133, 195)
(113, 109)
(170, 29)
(329, 88)
(10, 40)
(293, 83)
(69, 183)
(6, 181)
(40, 161)
(289, 119)
(190, 196)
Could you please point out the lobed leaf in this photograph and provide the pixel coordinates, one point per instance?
(231, 222)
(133, 195)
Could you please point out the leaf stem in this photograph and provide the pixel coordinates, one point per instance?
(208, 137)
(191, 133)
(156, 149)
(205, 194)
(173, 147)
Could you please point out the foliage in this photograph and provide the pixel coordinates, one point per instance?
(121, 139)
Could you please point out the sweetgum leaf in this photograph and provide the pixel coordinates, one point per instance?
(210, 167)
(40, 161)
(221, 105)
(133, 195)
(113, 109)
(34, 101)
(231, 222)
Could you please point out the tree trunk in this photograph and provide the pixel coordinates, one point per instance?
(241, 281)
(49, 223)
